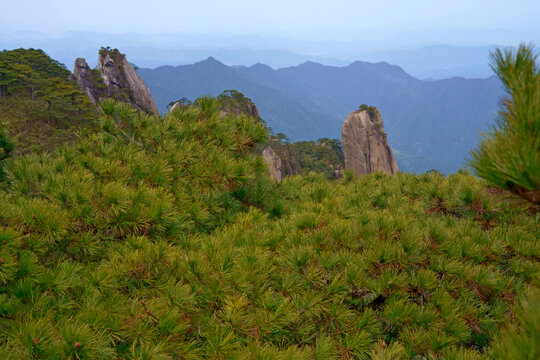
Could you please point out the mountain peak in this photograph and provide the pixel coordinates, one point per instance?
(261, 67)
(309, 63)
(210, 61)
(382, 68)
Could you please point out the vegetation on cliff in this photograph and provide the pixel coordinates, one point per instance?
(365, 107)
(234, 102)
(163, 238)
(323, 156)
(39, 106)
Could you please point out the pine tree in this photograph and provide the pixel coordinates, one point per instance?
(6, 148)
(520, 339)
(509, 155)
(6, 144)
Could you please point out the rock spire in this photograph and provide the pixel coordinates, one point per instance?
(114, 77)
(365, 146)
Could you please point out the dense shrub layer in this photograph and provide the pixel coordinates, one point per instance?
(164, 239)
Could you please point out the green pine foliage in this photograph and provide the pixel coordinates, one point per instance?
(323, 156)
(6, 148)
(39, 105)
(509, 156)
(164, 238)
(520, 339)
(365, 107)
(235, 102)
(6, 143)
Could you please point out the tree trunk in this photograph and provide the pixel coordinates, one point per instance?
(531, 195)
(49, 112)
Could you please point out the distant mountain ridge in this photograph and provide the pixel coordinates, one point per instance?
(433, 59)
(211, 77)
(437, 120)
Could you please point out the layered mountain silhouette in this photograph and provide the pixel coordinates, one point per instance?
(436, 122)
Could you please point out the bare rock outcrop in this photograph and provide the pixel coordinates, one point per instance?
(114, 77)
(365, 146)
(121, 78)
(176, 106)
(87, 79)
(273, 161)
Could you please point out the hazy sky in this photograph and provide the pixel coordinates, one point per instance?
(303, 19)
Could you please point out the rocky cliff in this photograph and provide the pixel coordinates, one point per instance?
(89, 80)
(365, 146)
(274, 163)
(114, 77)
(234, 102)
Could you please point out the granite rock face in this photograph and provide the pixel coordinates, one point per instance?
(121, 78)
(86, 78)
(365, 146)
(114, 77)
(250, 110)
(274, 163)
(175, 106)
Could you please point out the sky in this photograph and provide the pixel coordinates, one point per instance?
(348, 20)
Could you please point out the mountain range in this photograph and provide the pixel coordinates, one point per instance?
(430, 123)
(421, 58)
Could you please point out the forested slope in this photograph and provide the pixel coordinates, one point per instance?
(39, 106)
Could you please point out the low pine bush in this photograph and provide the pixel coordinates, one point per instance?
(509, 156)
(164, 238)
